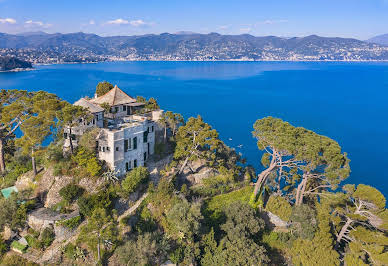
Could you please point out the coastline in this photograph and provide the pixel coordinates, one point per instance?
(228, 60)
(17, 70)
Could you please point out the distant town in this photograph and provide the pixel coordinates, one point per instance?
(43, 48)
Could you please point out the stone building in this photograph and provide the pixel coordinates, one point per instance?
(127, 134)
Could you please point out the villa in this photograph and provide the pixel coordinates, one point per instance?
(126, 137)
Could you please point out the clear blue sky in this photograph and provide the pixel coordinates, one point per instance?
(345, 18)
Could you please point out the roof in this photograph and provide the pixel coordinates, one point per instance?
(94, 108)
(114, 97)
(7, 191)
(136, 104)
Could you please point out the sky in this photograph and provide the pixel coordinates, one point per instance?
(361, 19)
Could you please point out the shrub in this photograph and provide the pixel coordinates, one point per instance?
(134, 178)
(88, 140)
(88, 203)
(280, 207)
(71, 223)
(304, 221)
(70, 251)
(3, 247)
(47, 236)
(34, 242)
(71, 192)
(18, 246)
(88, 160)
(12, 260)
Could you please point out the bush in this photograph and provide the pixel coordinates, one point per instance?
(88, 203)
(134, 178)
(280, 207)
(47, 236)
(88, 140)
(88, 160)
(71, 192)
(71, 223)
(18, 246)
(13, 260)
(15, 168)
(304, 221)
(34, 242)
(3, 247)
(70, 251)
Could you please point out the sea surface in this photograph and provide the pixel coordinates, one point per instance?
(345, 101)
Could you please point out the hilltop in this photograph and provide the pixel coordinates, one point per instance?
(380, 39)
(83, 47)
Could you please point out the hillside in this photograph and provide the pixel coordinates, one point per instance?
(381, 39)
(10, 63)
(82, 47)
(193, 201)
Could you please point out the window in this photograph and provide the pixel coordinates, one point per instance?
(65, 135)
(135, 143)
(117, 148)
(125, 145)
(124, 108)
(103, 149)
(116, 109)
(72, 136)
(107, 149)
(128, 166)
(145, 136)
(152, 128)
(129, 144)
(145, 156)
(94, 122)
(134, 163)
(80, 120)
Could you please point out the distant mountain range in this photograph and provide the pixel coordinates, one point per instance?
(40, 47)
(381, 39)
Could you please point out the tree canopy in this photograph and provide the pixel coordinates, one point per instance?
(103, 88)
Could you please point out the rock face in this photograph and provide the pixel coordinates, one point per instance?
(53, 196)
(272, 220)
(43, 217)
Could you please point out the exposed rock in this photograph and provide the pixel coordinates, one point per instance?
(91, 185)
(272, 220)
(43, 217)
(168, 263)
(53, 196)
(25, 181)
(8, 233)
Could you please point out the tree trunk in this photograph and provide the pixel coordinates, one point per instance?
(71, 141)
(2, 162)
(300, 192)
(183, 165)
(98, 248)
(33, 163)
(263, 176)
(343, 231)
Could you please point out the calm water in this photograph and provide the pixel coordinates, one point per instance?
(345, 101)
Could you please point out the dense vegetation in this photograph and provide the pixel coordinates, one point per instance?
(203, 208)
(8, 63)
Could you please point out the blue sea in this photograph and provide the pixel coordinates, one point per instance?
(345, 101)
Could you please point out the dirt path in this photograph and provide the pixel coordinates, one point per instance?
(133, 208)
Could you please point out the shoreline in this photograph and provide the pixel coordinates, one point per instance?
(15, 70)
(114, 61)
(228, 60)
